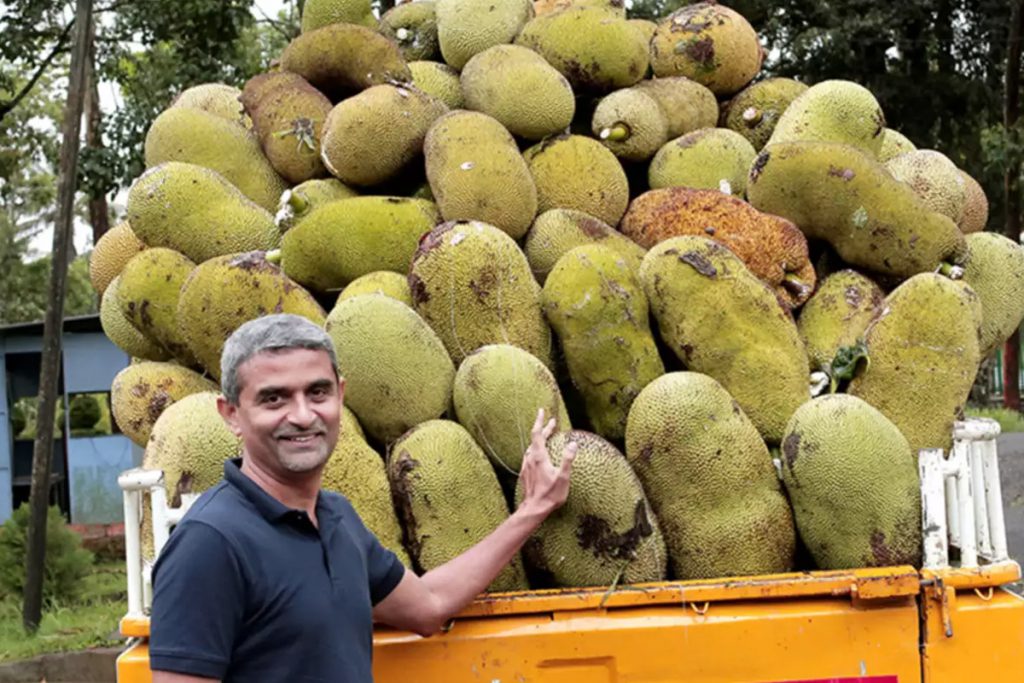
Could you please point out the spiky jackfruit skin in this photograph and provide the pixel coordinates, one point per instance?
(216, 98)
(497, 392)
(289, 122)
(894, 143)
(722, 321)
(606, 531)
(348, 238)
(142, 391)
(595, 49)
(646, 27)
(995, 271)
(148, 293)
(397, 372)
(577, 172)
(975, 215)
(110, 253)
(710, 479)
(223, 293)
(477, 173)
(597, 307)
(197, 137)
(688, 105)
(542, 7)
(934, 178)
(853, 484)
(837, 315)
(341, 58)
(556, 231)
(833, 111)
(771, 247)
(357, 472)
(473, 286)
(519, 89)
(755, 110)
(468, 27)
(839, 194)
(198, 213)
(261, 85)
(432, 469)
(386, 282)
(319, 13)
(709, 159)
(631, 124)
(362, 145)
(708, 43)
(438, 80)
(122, 332)
(413, 25)
(299, 202)
(924, 344)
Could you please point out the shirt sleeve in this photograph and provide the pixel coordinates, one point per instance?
(384, 569)
(198, 603)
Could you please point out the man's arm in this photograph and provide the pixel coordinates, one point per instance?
(424, 604)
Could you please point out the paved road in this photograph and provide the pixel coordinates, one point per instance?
(1011, 471)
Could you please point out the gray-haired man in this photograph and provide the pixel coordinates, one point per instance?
(268, 578)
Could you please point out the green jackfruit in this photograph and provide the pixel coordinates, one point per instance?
(837, 316)
(934, 178)
(709, 158)
(721, 320)
(473, 286)
(197, 137)
(196, 212)
(615, 7)
(298, 202)
(853, 484)
(833, 111)
(647, 28)
(433, 468)
(216, 98)
(556, 231)
(630, 123)
(923, 355)
(344, 239)
(289, 122)
(477, 173)
(120, 330)
(995, 271)
(148, 293)
(975, 216)
(361, 143)
(438, 80)
(598, 309)
(413, 25)
(223, 293)
(606, 532)
(319, 13)
(142, 391)
(263, 84)
(519, 89)
(710, 480)
(468, 27)
(110, 253)
(386, 282)
(839, 194)
(687, 104)
(754, 112)
(498, 390)
(397, 372)
(894, 143)
(577, 172)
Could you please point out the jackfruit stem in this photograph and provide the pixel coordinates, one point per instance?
(953, 272)
(273, 256)
(752, 116)
(403, 34)
(297, 202)
(795, 286)
(617, 133)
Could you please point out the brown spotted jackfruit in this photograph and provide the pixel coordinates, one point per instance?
(289, 121)
(836, 317)
(557, 231)
(754, 112)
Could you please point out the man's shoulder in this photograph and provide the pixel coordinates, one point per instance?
(222, 507)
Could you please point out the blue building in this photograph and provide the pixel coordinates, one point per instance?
(85, 467)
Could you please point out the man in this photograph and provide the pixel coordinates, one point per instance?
(268, 578)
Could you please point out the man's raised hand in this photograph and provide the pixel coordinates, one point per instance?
(545, 485)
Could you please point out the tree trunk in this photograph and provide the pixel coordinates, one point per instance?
(42, 455)
(1011, 188)
(99, 214)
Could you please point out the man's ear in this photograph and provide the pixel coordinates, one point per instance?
(341, 388)
(229, 411)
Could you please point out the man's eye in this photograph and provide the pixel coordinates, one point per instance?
(272, 398)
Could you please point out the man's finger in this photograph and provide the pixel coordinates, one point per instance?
(537, 423)
(549, 429)
(568, 455)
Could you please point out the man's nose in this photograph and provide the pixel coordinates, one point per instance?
(301, 413)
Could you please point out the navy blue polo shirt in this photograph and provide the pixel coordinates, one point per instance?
(247, 589)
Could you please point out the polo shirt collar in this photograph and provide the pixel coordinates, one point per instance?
(269, 507)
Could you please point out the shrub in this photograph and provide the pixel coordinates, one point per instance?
(85, 412)
(67, 563)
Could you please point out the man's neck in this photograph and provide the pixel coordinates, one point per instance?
(298, 492)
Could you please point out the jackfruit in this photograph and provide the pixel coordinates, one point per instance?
(995, 271)
(413, 25)
(975, 215)
(289, 122)
(223, 293)
(386, 282)
(473, 286)
(719, 319)
(319, 13)
(839, 194)
(833, 111)
(631, 124)
(771, 247)
(438, 80)
(894, 143)
(216, 98)
(606, 532)
(754, 112)
(519, 89)
(709, 158)
(542, 7)
(477, 173)
(196, 212)
(646, 27)
(708, 43)
(837, 316)
(261, 85)
(148, 293)
(299, 202)
(934, 178)
(110, 253)
(577, 172)
(142, 391)
(120, 330)
(432, 469)
(556, 231)
(597, 50)
(344, 239)
(197, 137)
(710, 480)
(687, 104)
(468, 27)
(853, 484)
(924, 345)
(397, 372)
(497, 392)
(597, 307)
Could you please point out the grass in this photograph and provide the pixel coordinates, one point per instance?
(1009, 420)
(91, 621)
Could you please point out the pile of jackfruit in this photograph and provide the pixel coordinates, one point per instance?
(748, 301)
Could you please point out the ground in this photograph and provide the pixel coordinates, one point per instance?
(1011, 471)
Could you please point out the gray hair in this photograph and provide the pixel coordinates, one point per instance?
(276, 332)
